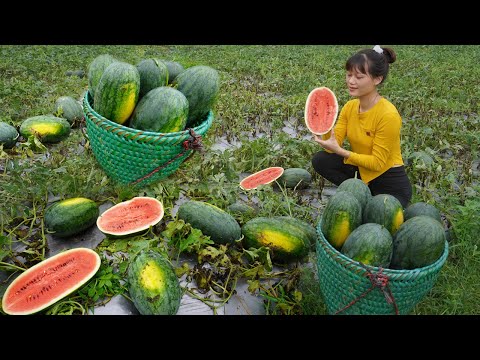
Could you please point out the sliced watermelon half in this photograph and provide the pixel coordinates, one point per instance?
(49, 281)
(262, 177)
(131, 216)
(321, 110)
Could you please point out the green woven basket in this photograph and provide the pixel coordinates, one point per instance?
(349, 287)
(135, 157)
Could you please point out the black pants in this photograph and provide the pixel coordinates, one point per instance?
(394, 181)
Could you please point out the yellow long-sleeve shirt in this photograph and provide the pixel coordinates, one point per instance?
(374, 137)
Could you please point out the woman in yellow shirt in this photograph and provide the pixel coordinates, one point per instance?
(372, 126)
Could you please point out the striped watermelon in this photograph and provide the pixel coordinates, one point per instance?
(341, 216)
(69, 109)
(286, 239)
(419, 242)
(200, 84)
(153, 73)
(386, 210)
(162, 109)
(358, 189)
(117, 92)
(371, 244)
(47, 128)
(174, 68)
(96, 69)
(8, 135)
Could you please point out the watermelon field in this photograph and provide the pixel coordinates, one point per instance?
(258, 123)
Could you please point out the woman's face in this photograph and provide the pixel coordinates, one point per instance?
(360, 84)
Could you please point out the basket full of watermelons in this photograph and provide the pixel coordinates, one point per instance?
(373, 256)
(144, 120)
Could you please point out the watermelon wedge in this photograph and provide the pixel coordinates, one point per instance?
(262, 177)
(321, 110)
(49, 281)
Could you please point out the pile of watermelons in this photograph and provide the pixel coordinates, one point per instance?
(377, 231)
(153, 286)
(154, 95)
(48, 128)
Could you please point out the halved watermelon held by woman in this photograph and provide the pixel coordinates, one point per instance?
(321, 110)
(369, 122)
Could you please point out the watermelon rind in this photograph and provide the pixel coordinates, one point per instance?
(153, 285)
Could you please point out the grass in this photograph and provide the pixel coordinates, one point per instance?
(435, 88)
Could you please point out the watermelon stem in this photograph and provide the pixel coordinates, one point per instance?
(210, 302)
(8, 265)
(71, 306)
(284, 192)
(44, 240)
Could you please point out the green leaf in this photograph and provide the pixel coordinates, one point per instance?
(261, 255)
(38, 144)
(139, 245)
(3, 254)
(121, 245)
(297, 295)
(253, 285)
(184, 269)
(209, 253)
(172, 228)
(255, 272)
(194, 242)
(61, 169)
(122, 267)
(4, 240)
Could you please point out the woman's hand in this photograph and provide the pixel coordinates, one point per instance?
(331, 144)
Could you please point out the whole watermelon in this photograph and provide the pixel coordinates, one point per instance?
(200, 84)
(371, 244)
(420, 241)
(96, 69)
(153, 74)
(162, 110)
(8, 135)
(341, 216)
(117, 92)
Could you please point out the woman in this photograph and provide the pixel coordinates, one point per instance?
(372, 126)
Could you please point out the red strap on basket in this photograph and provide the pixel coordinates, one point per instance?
(380, 281)
(194, 143)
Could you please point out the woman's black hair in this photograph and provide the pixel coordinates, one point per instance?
(371, 62)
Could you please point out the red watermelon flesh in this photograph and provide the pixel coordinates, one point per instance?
(321, 110)
(262, 177)
(131, 216)
(50, 280)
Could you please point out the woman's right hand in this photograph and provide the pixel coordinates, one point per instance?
(332, 145)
